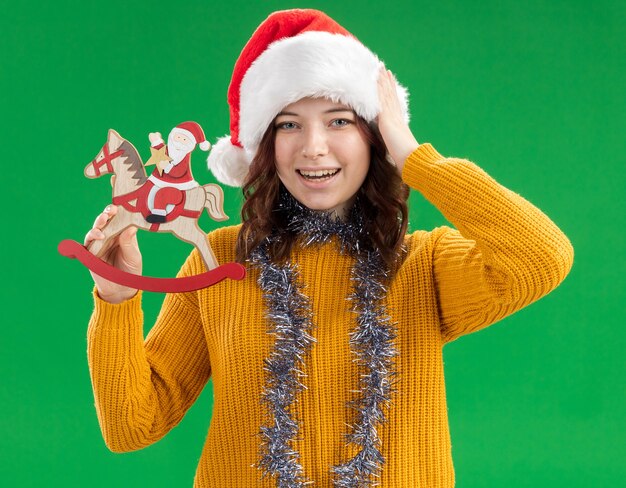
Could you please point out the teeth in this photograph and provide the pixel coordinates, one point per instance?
(319, 173)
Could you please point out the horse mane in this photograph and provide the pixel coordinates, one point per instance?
(134, 161)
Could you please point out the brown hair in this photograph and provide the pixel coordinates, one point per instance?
(383, 198)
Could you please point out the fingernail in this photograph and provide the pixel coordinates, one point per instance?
(107, 209)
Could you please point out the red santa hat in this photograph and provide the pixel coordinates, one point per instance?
(194, 132)
(293, 54)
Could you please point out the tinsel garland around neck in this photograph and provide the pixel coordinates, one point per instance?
(291, 321)
(317, 227)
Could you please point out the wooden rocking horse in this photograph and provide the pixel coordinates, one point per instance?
(131, 188)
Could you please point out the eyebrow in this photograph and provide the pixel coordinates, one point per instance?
(332, 110)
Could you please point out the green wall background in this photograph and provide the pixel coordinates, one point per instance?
(533, 92)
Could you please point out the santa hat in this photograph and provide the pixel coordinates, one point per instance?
(293, 54)
(194, 132)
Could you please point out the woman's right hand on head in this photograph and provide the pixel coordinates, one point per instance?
(122, 252)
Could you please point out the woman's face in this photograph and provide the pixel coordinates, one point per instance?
(321, 156)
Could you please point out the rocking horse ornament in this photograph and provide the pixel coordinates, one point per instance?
(169, 200)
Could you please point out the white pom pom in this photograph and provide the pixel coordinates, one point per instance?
(228, 163)
(205, 145)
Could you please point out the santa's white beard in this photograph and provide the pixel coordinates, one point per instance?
(178, 151)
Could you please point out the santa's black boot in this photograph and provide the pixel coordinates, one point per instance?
(155, 219)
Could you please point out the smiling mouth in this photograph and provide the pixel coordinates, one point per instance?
(319, 175)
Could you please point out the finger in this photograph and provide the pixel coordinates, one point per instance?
(92, 235)
(111, 209)
(391, 81)
(102, 219)
(385, 83)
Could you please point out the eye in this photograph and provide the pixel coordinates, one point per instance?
(341, 122)
(286, 125)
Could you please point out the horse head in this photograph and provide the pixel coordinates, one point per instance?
(102, 164)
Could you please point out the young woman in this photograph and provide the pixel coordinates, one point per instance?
(327, 358)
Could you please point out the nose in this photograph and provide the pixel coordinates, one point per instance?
(315, 144)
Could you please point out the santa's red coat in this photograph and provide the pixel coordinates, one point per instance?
(181, 173)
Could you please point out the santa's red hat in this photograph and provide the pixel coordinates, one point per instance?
(293, 54)
(194, 132)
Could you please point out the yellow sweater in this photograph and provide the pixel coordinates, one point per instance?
(505, 254)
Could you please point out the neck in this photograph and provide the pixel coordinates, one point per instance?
(341, 212)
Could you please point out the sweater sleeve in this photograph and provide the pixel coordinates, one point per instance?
(505, 254)
(142, 389)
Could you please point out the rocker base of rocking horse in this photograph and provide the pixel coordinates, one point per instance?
(75, 250)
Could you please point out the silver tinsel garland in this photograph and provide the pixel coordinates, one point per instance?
(290, 317)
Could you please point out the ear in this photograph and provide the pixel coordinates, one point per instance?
(114, 139)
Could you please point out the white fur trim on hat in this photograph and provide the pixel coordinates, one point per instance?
(311, 64)
(228, 163)
(205, 145)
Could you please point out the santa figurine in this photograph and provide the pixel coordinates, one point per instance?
(172, 175)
